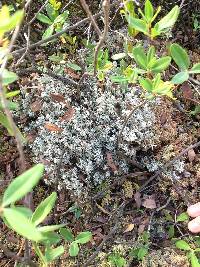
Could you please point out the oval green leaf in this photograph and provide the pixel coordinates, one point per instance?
(83, 237)
(168, 21)
(161, 64)
(195, 68)
(44, 209)
(50, 228)
(181, 244)
(180, 77)
(180, 56)
(182, 217)
(73, 249)
(140, 57)
(194, 260)
(138, 24)
(41, 17)
(148, 10)
(67, 234)
(53, 253)
(8, 77)
(21, 224)
(22, 185)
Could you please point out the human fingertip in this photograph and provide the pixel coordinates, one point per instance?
(194, 225)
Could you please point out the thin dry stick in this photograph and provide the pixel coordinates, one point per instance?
(4, 103)
(102, 38)
(27, 37)
(90, 16)
(66, 29)
(127, 119)
(168, 164)
(112, 231)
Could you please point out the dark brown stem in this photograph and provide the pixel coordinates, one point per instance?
(90, 16)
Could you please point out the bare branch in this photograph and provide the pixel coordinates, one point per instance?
(90, 16)
(66, 29)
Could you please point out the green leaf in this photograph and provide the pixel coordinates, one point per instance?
(180, 77)
(67, 234)
(150, 54)
(12, 106)
(51, 12)
(180, 56)
(22, 225)
(181, 244)
(51, 238)
(146, 84)
(53, 253)
(26, 211)
(73, 249)
(50, 228)
(118, 79)
(83, 237)
(44, 209)
(140, 57)
(119, 56)
(148, 10)
(182, 217)
(5, 122)
(138, 24)
(41, 17)
(171, 231)
(74, 66)
(8, 77)
(22, 185)
(12, 94)
(142, 252)
(48, 32)
(9, 23)
(195, 68)
(168, 21)
(161, 64)
(196, 110)
(62, 17)
(194, 260)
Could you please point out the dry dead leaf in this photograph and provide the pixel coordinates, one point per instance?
(71, 73)
(36, 106)
(129, 228)
(187, 91)
(191, 155)
(52, 127)
(68, 115)
(137, 197)
(143, 225)
(110, 162)
(149, 203)
(58, 98)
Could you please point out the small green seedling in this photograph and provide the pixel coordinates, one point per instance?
(144, 24)
(82, 238)
(55, 20)
(142, 249)
(182, 60)
(156, 87)
(183, 217)
(116, 260)
(191, 252)
(148, 62)
(27, 223)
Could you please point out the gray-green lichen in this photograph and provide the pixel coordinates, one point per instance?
(86, 139)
